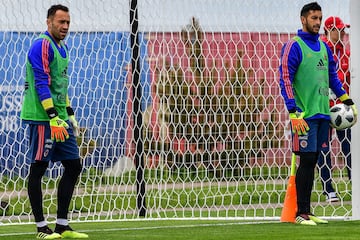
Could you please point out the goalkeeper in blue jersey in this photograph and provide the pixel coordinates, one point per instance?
(52, 125)
(307, 71)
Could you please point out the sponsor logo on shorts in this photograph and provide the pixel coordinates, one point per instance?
(48, 146)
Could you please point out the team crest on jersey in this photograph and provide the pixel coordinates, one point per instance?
(46, 152)
(64, 72)
(48, 146)
(303, 143)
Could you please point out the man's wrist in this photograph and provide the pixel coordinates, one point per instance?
(348, 102)
(344, 97)
(70, 111)
(292, 110)
(51, 112)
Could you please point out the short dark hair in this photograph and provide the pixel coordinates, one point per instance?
(313, 6)
(52, 10)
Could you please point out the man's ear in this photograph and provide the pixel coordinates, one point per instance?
(303, 20)
(47, 21)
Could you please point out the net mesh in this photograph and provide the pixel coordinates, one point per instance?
(215, 133)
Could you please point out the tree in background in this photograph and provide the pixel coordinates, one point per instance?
(209, 113)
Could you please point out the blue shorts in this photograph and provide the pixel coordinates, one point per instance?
(317, 138)
(42, 148)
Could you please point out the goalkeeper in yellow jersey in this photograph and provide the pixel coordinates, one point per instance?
(52, 125)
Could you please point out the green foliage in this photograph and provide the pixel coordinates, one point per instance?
(213, 113)
(86, 145)
(10, 184)
(200, 189)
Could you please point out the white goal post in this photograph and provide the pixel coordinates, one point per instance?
(214, 136)
(355, 86)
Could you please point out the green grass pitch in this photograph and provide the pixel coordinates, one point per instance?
(197, 230)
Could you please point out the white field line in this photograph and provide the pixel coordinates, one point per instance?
(154, 227)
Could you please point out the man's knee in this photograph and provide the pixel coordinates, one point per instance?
(38, 169)
(73, 167)
(308, 159)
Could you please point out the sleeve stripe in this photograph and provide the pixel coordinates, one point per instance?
(40, 146)
(285, 70)
(295, 142)
(45, 58)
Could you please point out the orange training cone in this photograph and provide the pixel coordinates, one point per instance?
(288, 213)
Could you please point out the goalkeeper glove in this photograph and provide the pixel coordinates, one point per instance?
(58, 129)
(75, 125)
(298, 124)
(73, 121)
(349, 102)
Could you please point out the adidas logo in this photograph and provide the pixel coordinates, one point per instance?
(321, 65)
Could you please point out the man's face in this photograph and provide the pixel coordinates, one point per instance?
(312, 22)
(58, 25)
(336, 35)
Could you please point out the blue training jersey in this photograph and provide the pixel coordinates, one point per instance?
(291, 57)
(40, 55)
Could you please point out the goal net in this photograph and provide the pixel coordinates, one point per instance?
(214, 134)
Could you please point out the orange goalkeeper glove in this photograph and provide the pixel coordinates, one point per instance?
(58, 129)
(298, 124)
(57, 125)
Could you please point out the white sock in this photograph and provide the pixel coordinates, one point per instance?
(63, 222)
(41, 224)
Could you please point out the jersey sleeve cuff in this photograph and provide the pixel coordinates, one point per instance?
(67, 101)
(47, 103)
(51, 112)
(344, 97)
(70, 111)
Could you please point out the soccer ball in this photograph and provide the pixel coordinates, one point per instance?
(342, 116)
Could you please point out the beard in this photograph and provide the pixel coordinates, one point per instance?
(313, 29)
